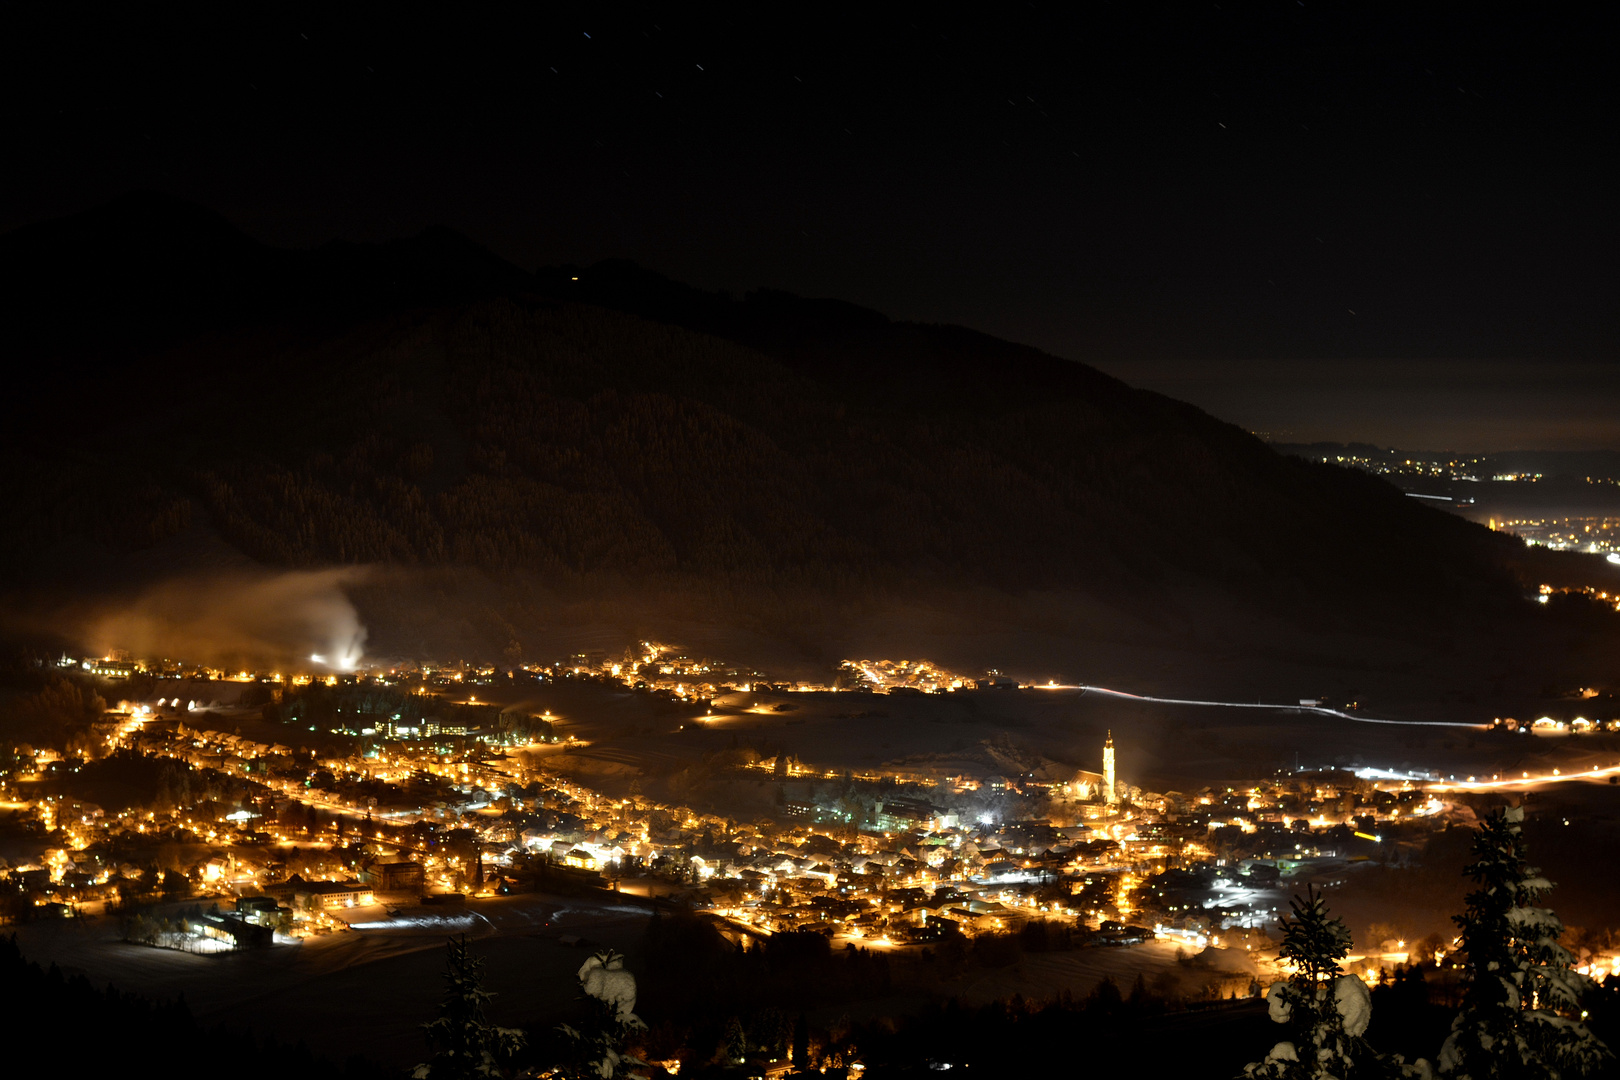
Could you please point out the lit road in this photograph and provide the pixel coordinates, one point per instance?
(1526, 780)
(1318, 710)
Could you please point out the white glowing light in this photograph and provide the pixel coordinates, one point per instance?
(345, 656)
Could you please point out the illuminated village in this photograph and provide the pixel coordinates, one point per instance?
(255, 842)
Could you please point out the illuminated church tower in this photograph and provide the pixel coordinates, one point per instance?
(1110, 792)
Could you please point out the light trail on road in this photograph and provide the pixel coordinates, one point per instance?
(1518, 783)
(1317, 709)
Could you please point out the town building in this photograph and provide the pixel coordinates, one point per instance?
(1110, 782)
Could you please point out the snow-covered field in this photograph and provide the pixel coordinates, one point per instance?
(364, 991)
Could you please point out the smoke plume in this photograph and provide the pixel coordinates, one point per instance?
(239, 619)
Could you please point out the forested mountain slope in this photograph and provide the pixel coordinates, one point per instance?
(424, 404)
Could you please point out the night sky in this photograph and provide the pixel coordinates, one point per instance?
(1315, 222)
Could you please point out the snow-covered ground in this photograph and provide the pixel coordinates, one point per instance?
(364, 991)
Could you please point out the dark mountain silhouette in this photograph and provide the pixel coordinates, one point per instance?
(605, 431)
(135, 273)
(149, 272)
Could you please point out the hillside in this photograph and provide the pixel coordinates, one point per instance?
(597, 434)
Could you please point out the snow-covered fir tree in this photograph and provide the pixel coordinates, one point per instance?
(599, 1040)
(466, 1045)
(1328, 1010)
(1521, 1014)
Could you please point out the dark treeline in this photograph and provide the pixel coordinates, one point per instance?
(1132, 1032)
(88, 1031)
(42, 705)
(1104, 1032)
(703, 996)
(692, 969)
(127, 780)
(329, 707)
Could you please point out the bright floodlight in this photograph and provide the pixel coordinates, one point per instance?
(318, 658)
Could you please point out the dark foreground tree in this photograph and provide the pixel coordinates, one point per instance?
(1521, 1015)
(465, 1044)
(1328, 1010)
(801, 1044)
